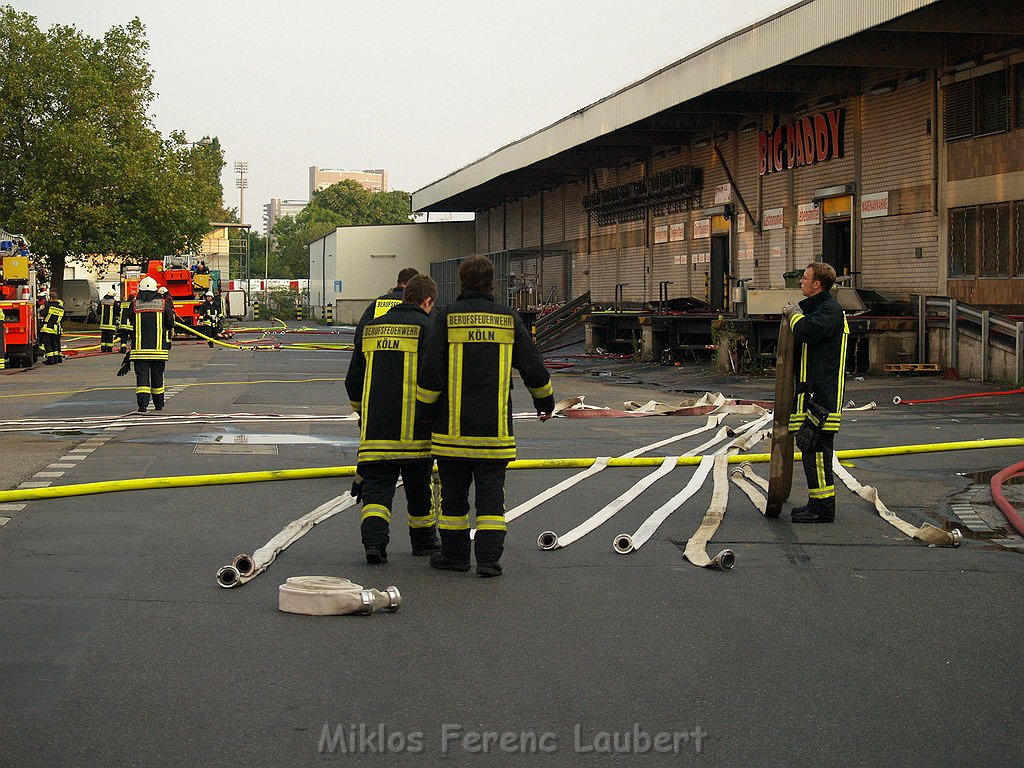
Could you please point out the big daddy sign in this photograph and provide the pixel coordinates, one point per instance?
(806, 141)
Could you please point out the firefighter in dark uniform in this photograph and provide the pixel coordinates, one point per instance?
(50, 332)
(124, 330)
(208, 317)
(820, 332)
(394, 436)
(384, 302)
(110, 312)
(467, 377)
(152, 324)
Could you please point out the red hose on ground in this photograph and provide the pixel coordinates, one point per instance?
(999, 498)
(958, 397)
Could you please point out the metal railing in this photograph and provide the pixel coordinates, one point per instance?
(993, 329)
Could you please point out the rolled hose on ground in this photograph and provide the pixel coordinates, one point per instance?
(996, 484)
(313, 473)
(333, 596)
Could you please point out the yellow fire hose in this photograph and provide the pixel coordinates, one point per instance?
(301, 345)
(185, 481)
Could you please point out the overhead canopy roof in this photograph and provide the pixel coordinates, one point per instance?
(812, 49)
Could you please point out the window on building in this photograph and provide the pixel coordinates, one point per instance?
(995, 241)
(992, 103)
(987, 241)
(976, 107)
(962, 238)
(1018, 90)
(1018, 209)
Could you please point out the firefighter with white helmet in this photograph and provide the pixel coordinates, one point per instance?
(151, 320)
(208, 317)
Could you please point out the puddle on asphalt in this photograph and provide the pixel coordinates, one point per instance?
(985, 476)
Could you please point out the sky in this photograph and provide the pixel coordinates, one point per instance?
(419, 88)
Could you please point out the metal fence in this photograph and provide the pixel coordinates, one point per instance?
(992, 329)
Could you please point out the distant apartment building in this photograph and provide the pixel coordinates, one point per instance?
(375, 180)
(277, 208)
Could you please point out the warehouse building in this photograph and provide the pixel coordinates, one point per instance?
(886, 138)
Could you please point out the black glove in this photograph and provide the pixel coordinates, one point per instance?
(357, 486)
(807, 436)
(126, 364)
(545, 406)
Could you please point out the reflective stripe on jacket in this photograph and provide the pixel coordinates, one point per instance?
(151, 321)
(53, 314)
(467, 375)
(820, 331)
(381, 386)
(109, 312)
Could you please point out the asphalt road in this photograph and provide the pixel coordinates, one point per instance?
(839, 645)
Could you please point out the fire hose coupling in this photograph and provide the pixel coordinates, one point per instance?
(623, 543)
(548, 540)
(958, 537)
(244, 564)
(723, 561)
(228, 577)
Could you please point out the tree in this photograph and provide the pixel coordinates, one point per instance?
(344, 204)
(86, 175)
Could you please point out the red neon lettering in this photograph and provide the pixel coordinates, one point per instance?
(777, 147)
(821, 138)
(835, 127)
(807, 129)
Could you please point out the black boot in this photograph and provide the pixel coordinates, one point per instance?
(374, 533)
(455, 550)
(143, 401)
(424, 541)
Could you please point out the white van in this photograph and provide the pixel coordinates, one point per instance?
(81, 300)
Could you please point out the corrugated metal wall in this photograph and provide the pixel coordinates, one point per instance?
(514, 225)
(898, 160)
(531, 222)
(554, 217)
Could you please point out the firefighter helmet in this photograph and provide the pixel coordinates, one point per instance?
(147, 284)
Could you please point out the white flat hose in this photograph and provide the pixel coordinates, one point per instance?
(625, 543)
(333, 596)
(747, 435)
(753, 492)
(518, 511)
(244, 568)
(712, 422)
(696, 547)
(551, 540)
(599, 465)
(927, 532)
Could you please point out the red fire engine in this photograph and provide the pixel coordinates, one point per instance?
(18, 300)
(185, 288)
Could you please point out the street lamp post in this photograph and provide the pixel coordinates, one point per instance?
(241, 168)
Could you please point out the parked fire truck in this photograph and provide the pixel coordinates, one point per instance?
(185, 288)
(18, 300)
